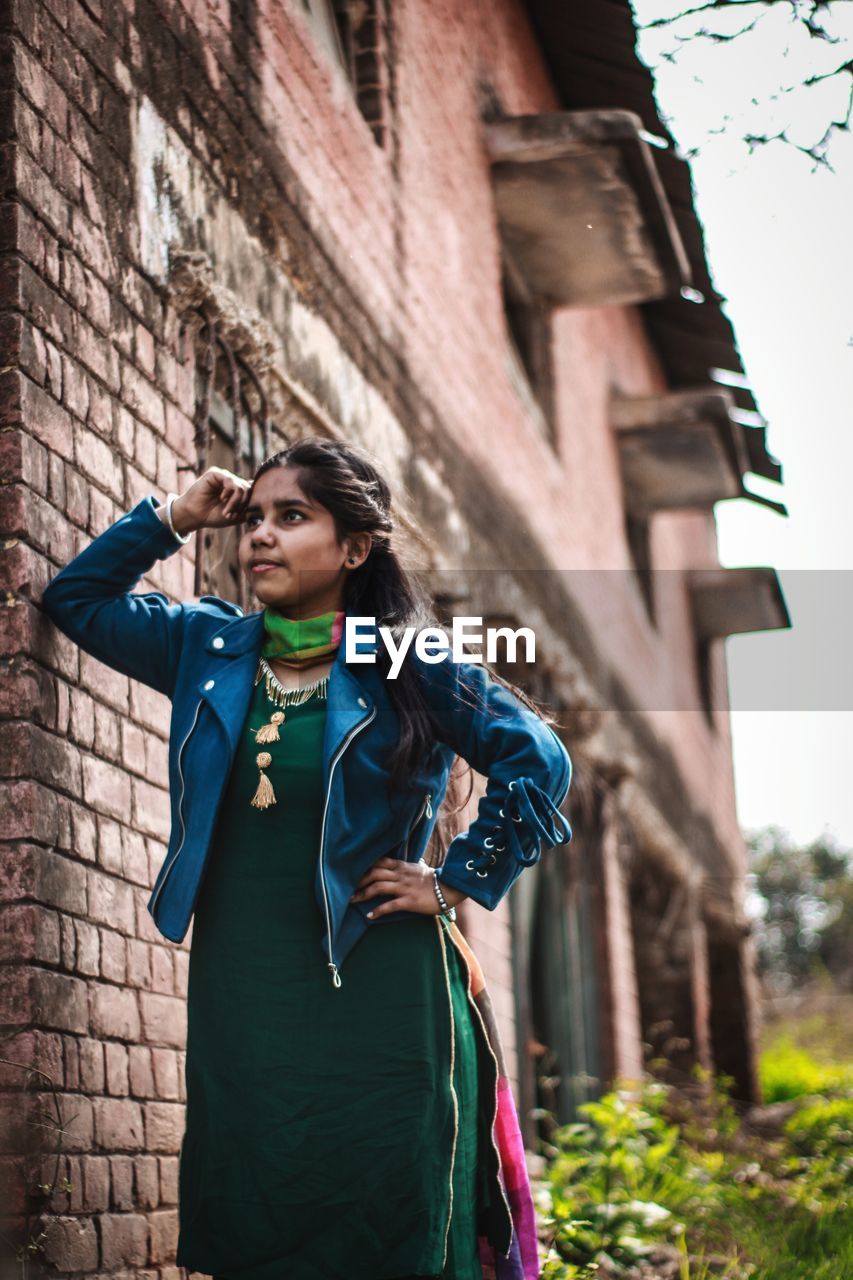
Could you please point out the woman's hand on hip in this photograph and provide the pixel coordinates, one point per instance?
(409, 883)
(217, 499)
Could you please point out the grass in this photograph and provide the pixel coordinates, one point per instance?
(681, 1181)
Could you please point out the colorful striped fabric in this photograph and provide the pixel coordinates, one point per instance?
(302, 641)
(523, 1260)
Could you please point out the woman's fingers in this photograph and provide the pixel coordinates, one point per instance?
(231, 504)
(414, 894)
(374, 887)
(233, 497)
(392, 865)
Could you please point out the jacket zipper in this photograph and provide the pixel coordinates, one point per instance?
(180, 809)
(426, 808)
(336, 977)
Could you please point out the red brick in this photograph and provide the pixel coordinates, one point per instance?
(92, 1073)
(77, 498)
(98, 460)
(105, 787)
(143, 398)
(150, 708)
(27, 690)
(144, 352)
(118, 1124)
(84, 833)
(96, 1183)
(29, 932)
(110, 856)
(132, 747)
(71, 1244)
(113, 1011)
(101, 412)
(135, 865)
(113, 956)
(165, 1066)
(27, 811)
(162, 970)
(91, 350)
(98, 306)
(75, 384)
(157, 760)
(151, 809)
(27, 749)
(164, 1126)
(34, 1050)
(56, 650)
(116, 1066)
(71, 1058)
(103, 511)
(107, 684)
(110, 901)
(121, 1182)
(147, 1182)
(169, 1167)
(56, 482)
(141, 1076)
(164, 1234)
(163, 1019)
(88, 957)
(47, 419)
(124, 1240)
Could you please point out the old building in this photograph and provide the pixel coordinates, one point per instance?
(460, 235)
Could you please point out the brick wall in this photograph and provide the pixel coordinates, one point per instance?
(377, 269)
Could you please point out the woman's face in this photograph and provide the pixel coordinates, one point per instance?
(289, 550)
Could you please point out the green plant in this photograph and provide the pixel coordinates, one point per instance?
(788, 1071)
(41, 1128)
(653, 1168)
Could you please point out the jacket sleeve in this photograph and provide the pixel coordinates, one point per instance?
(528, 771)
(91, 600)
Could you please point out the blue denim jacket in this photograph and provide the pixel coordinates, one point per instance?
(203, 656)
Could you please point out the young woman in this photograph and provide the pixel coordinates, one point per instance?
(348, 1113)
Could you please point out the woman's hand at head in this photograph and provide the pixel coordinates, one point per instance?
(409, 883)
(216, 499)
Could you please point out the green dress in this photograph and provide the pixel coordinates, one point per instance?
(319, 1134)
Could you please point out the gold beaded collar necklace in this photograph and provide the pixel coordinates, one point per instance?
(280, 697)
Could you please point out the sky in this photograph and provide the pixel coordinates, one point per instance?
(780, 250)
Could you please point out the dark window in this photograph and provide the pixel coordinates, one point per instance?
(232, 431)
(528, 322)
(355, 34)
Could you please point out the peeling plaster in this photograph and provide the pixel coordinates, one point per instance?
(197, 245)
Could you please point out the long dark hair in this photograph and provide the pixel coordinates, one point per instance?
(345, 480)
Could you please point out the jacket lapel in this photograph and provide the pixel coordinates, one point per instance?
(227, 669)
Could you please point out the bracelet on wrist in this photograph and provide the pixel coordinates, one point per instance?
(445, 908)
(181, 537)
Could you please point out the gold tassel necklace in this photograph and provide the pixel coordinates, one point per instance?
(280, 697)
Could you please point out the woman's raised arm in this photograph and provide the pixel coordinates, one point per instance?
(92, 600)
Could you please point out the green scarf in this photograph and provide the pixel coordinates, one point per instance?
(301, 642)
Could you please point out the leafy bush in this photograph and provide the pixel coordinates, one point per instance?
(650, 1168)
